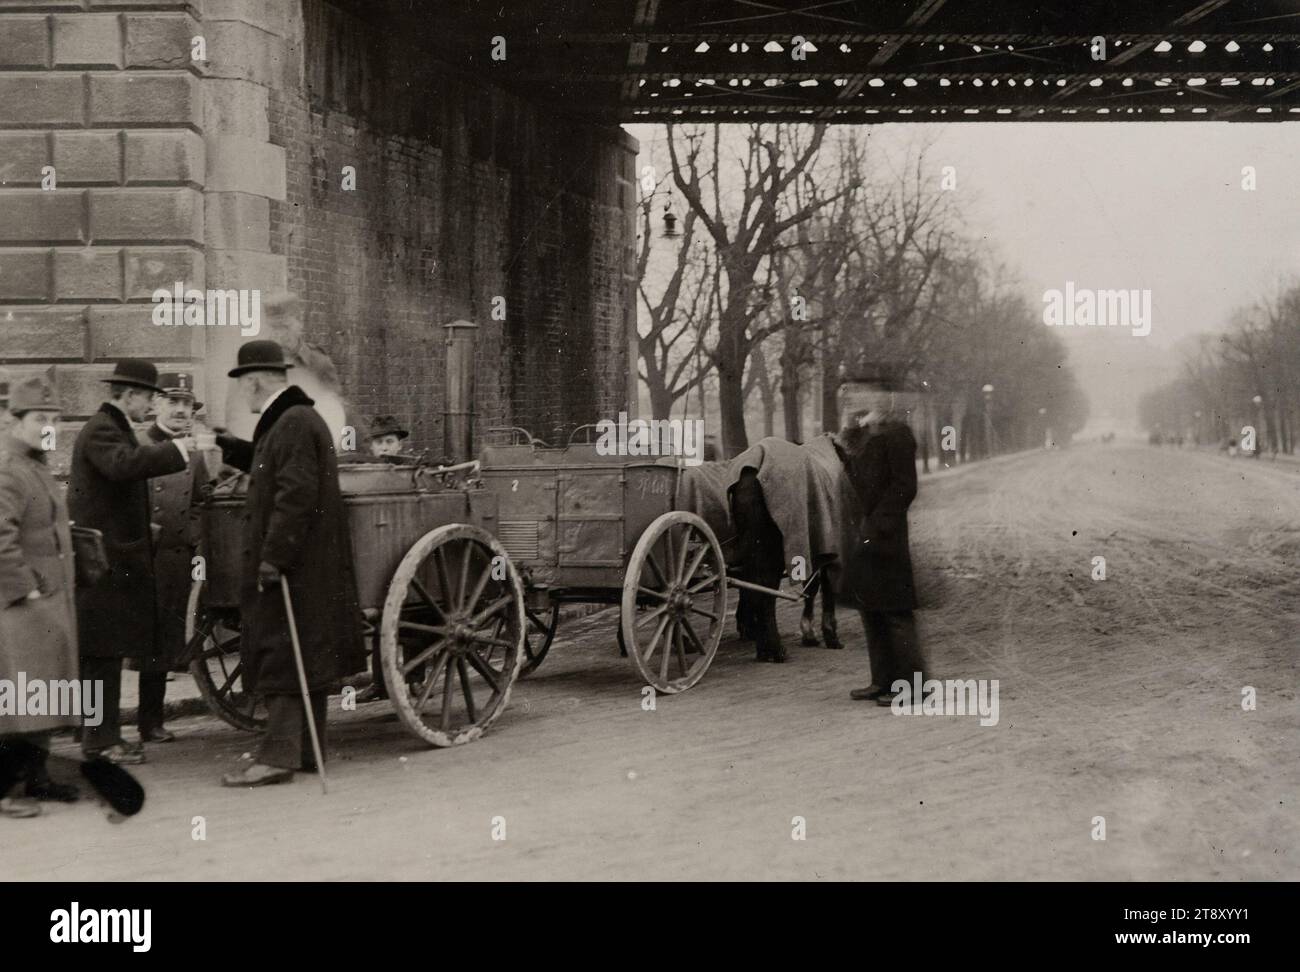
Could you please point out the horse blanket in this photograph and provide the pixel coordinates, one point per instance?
(806, 489)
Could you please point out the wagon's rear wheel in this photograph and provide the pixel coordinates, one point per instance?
(452, 634)
(541, 632)
(674, 601)
(212, 639)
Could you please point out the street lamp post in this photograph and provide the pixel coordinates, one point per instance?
(1259, 423)
(1047, 433)
(988, 419)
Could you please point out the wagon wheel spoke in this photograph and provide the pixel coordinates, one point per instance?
(651, 615)
(421, 658)
(428, 687)
(678, 648)
(654, 566)
(496, 607)
(426, 597)
(225, 689)
(463, 671)
(479, 587)
(485, 670)
(535, 620)
(431, 629)
(463, 583)
(703, 585)
(682, 552)
(444, 717)
(708, 614)
(663, 659)
(657, 595)
(670, 555)
(695, 564)
(695, 640)
(440, 565)
(654, 641)
(481, 639)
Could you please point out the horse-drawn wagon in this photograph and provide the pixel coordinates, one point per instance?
(437, 590)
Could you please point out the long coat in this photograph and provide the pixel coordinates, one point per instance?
(108, 490)
(39, 637)
(883, 473)
(294, 518)
(175, 511)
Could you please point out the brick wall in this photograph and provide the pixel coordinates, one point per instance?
(226, 173)
(462, 195)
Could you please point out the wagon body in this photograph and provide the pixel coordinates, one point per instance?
(570, 518)
(388, 507)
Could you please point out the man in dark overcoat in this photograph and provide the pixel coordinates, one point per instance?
(295, 532)
(882, 469)
(38, 622)
(174, 506)
(108, 490)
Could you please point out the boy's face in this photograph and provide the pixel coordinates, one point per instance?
(385, 445)
(30, 429)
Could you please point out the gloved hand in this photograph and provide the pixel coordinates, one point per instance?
(268, 575)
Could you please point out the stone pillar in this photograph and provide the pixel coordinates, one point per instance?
(254, 47)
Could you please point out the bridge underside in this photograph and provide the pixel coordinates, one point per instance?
(867, 61)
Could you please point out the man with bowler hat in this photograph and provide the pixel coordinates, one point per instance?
(295, 533)
(174, 507)
(108, 490)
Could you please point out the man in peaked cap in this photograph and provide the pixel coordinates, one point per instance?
(386, 435)
(108, 490)
(174, 509)
(38, 622)
(295, 533)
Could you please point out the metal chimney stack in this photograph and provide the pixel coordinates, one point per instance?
(458, 419)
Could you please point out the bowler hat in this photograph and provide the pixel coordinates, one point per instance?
(178, 384)
(259, 356)
(32, 395)
(136, 373)
(387, 425)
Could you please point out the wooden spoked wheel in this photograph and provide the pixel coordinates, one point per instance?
(452, 634)
(674, 601)
(212, 639)
(541, 632)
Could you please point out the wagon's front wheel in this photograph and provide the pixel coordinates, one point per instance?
(674, 601)
(452, 634)
(212, 640)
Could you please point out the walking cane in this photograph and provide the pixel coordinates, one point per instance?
(302, 683)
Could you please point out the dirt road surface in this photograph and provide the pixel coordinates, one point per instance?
(1119, 698)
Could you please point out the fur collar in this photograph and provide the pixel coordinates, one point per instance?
(287, 399)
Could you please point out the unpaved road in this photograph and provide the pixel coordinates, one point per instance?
(1118, 698)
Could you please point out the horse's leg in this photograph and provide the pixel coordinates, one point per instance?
(830, 627)
(807, 636)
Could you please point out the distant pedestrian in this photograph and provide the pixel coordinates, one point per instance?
(108, 491)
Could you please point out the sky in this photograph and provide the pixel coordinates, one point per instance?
(1130, 205)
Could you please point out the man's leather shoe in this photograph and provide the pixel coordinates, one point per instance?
(18, 807)
(47, 789)
(867, 694)
(120, 755)
(259, 774)
(157, 735)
